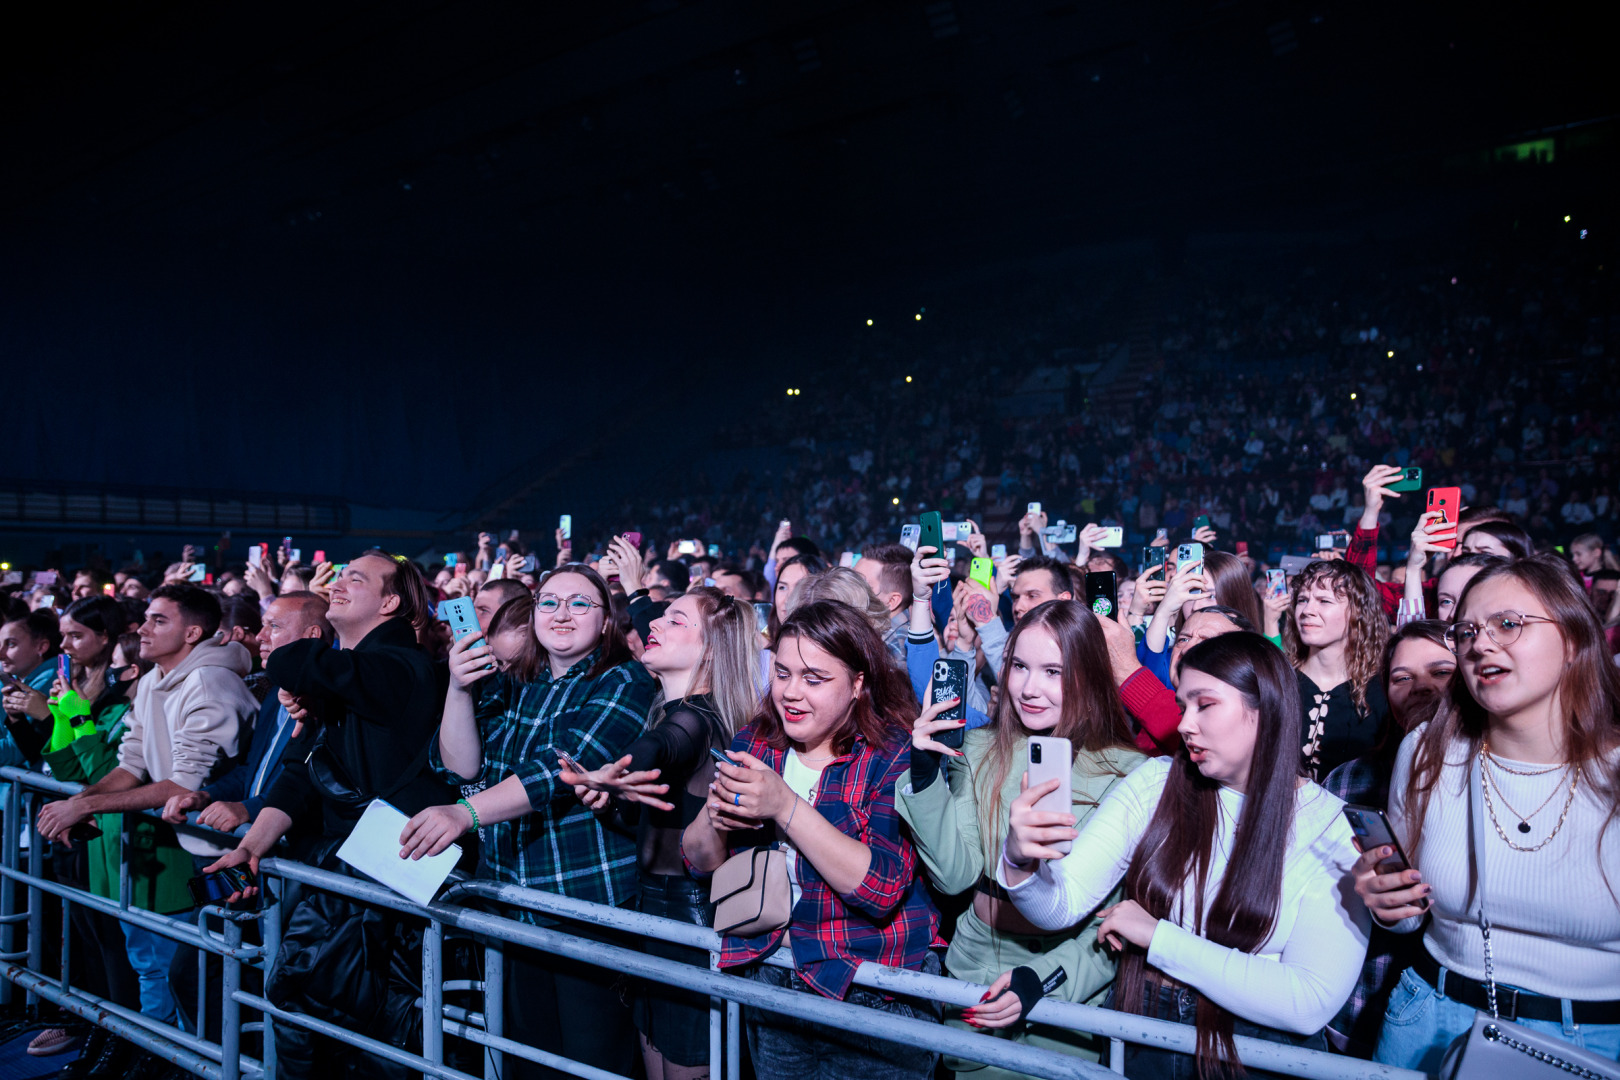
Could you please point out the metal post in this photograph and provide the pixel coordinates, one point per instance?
(717, 1063)
(125, 891)
(494, 1006)
(230, 1010)
(67, 940)
(1116, 1055)
(9, 854)
(270, 927)
(36, 898)
(202, 976)
(733, 1041)
(433, 992)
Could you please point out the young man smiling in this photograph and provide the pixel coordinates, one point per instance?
(189, 713)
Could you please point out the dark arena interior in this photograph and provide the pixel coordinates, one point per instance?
(549, 540)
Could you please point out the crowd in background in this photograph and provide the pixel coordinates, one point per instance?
(751, 675)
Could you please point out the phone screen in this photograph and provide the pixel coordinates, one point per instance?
(1102, 592)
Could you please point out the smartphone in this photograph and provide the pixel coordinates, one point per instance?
(932, 533)
(450, 560)
(1411, 479)
(255, 556)
(633, 539)
(496, 571)
(998, 551)
(1062, 533)
(1034, 508)
(530, 563)
(1370, 829)
(1324, 542)
(910, 535)
(950, 681)
(947, 530)
(1052, 759)
(569, 763)
(1113, 536)
(1189, 556)
(461, 569)
(847, 559)
(964, 529)
(295, 554)
(501, 553)
(720, 757)
(109, 589)
(686, 547)
(1446, 501)
(714, 551)
(286, 543)
(13, 682)
(1102, 592)
(1242, 547)
(565, 525)
(85, 831)
(982, 570)
(1162, 534)
(216, 887)
(198, 572)
(458, 612)
(1276, 582)
(1294, 564)
(64, 667)
(1151, 557)
(762, 617)
(1202, 522)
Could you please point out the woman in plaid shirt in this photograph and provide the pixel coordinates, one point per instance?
(816, 771)
(589, 702)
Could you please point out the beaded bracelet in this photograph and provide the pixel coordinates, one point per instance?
(470, 810)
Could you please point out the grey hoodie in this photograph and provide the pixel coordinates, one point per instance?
(187, 723)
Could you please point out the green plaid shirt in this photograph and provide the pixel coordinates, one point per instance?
(561, 847)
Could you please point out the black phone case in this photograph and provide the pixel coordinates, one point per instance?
(950, 681)
(1102, 588)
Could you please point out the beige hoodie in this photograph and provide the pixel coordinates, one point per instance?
(189, 722)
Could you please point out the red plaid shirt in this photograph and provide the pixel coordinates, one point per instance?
(1363, 552)
(889, 918)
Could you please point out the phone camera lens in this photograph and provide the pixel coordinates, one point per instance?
(1035, 753)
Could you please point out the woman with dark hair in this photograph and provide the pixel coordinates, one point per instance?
(511, 639)
(1235, 917)
(1503, 539)
(1459, 571)
(788, 576)
(816, 772)
(86, 716)
(1221, 581)
(1525, 755)
(704, 651)
(1057, 681)
(588, 701)
(1335, 640)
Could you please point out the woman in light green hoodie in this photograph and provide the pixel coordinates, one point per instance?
(1056, 680)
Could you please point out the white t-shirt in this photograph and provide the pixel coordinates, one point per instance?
(802, 779)
(1298, 978)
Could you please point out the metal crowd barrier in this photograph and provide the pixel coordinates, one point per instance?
(728, 994)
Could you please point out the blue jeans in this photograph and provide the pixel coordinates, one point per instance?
(787, 1048)
(1420, 1024)
(150, 954)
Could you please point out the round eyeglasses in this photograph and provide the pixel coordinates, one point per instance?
(578, 606)
(1504, 628)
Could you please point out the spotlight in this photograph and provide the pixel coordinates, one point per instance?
(908, 378)
(1352, 397)
(868, 322)
(894, 502)
(919, 316)
(1566, 219)
(1392, 353)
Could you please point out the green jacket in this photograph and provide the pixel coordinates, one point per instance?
(82, 749)
(946, 828)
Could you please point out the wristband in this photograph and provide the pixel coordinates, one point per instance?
(1029, 988)
(470, 810)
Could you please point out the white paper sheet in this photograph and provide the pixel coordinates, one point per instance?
(373, 849)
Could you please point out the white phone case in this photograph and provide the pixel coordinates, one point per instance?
(1056, 761)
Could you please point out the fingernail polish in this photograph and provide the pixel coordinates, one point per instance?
(986, 997)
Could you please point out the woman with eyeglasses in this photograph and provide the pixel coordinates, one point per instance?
(704, 652)
(588, 701)
(1525, 753)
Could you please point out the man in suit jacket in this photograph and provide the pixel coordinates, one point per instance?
(236, 797)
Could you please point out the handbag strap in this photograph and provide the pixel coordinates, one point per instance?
(1476, 834)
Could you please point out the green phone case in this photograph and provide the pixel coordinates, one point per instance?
(1411, 480)
(933, 533)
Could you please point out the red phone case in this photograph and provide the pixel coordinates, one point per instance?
(1448, 501)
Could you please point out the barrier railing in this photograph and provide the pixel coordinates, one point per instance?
(224, 1060)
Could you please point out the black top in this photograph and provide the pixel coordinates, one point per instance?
(677, 745)
(381, 702)
(1334, 731)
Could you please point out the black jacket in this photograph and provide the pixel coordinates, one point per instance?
(381, 702)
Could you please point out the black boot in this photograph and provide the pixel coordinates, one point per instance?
(101, 1058)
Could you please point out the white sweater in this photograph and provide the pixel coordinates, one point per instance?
(1298, 978)
(1555, 926)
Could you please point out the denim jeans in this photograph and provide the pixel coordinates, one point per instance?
(1181, 1006)
(787, 1048)
(150, 955)
(1420, 1024)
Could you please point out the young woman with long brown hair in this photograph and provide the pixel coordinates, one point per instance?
(1236, 918)
(1056, 681)
(1529, 744)
(816, 771)
(1335, 641)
